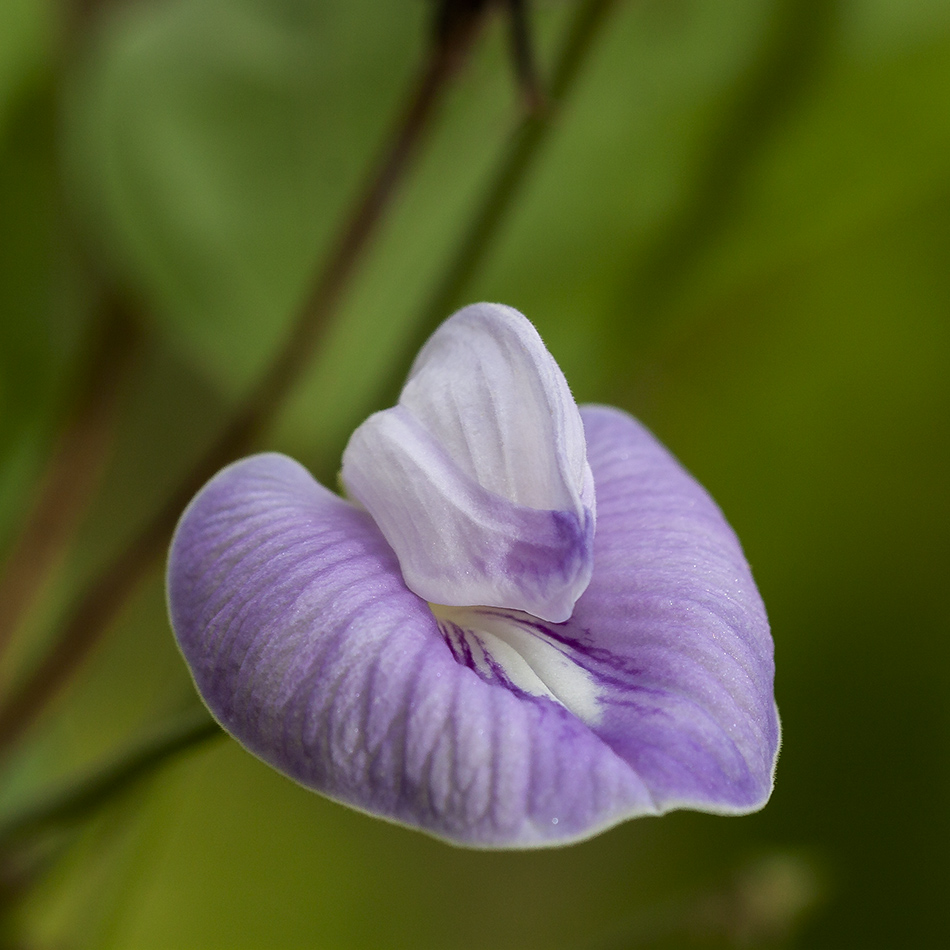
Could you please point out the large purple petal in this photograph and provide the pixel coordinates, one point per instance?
(291, 610)
(307, 646)
(674, 630)
(668, 656)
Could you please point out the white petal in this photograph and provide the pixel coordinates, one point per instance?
(479, 477)
(487, 389)
(516, 650)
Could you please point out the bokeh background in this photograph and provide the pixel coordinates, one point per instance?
(739, 230)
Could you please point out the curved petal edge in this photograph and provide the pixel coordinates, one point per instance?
(512, 732)
(478, 478)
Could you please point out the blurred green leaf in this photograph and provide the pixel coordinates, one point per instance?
(798, 361)
(214, 146)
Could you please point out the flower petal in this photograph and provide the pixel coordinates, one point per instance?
(304, 641)
(290, 609)
(674, 629)
(668, 656)
(478, 478)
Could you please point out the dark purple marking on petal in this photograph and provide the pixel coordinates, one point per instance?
(553, 556)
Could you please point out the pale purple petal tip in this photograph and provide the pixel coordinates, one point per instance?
(478, 478)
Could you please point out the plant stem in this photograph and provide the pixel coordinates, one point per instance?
(79, 451)
(98, 604)
(518, 159)
(72, 472)
(84, 796)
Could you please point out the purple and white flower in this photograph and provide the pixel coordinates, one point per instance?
(469, 645)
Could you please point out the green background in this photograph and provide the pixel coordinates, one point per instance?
(739, 230)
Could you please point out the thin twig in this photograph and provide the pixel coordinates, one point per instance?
(84, 796)
(522, 52)
(98, 604)
(79, 451)
(519, 158)
(72, 472)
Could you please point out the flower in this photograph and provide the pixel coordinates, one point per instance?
(467, 646)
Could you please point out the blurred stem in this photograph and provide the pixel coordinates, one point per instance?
(79, 454)
(98, 604)
(522, 51)
(72, 472)
(80, 11)
(81, 798)
(510, 175)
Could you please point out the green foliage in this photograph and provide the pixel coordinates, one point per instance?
(739, 230)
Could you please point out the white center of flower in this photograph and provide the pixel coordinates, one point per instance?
(519, 652)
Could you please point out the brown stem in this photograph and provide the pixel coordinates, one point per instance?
(72, 473)
(96, 606)
(514, 167)
(522, 52)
